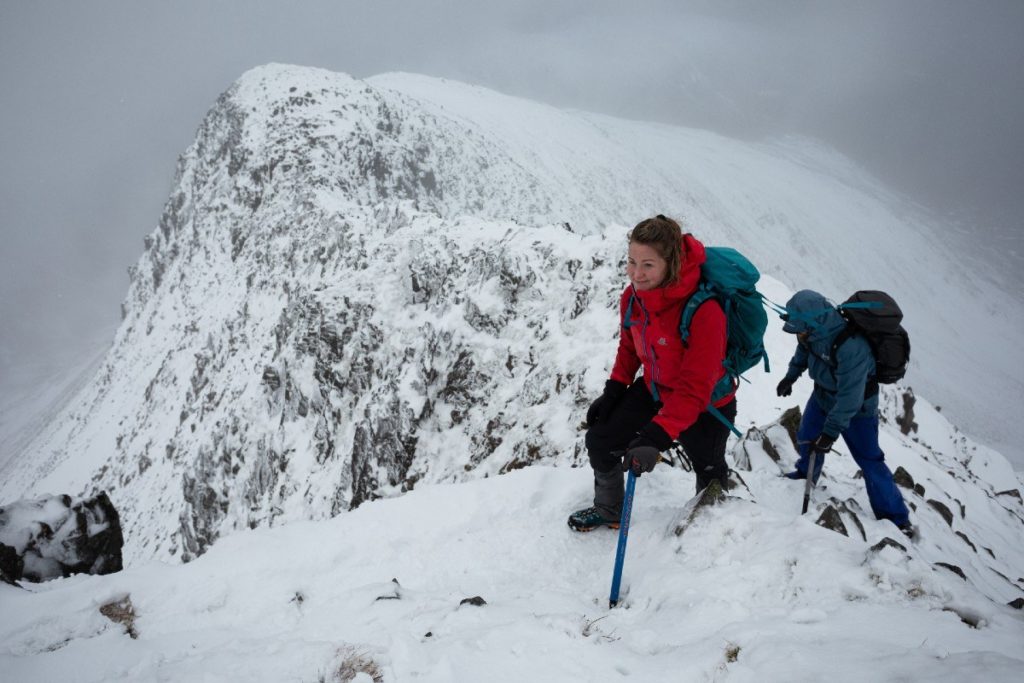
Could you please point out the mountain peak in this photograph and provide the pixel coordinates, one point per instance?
(359, 286)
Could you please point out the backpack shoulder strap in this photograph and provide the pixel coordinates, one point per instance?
(845, 334)
(703, 294)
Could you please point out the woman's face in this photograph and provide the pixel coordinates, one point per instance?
(644, 267)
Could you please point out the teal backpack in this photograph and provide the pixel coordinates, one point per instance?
(730, 278)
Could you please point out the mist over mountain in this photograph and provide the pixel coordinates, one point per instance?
(348, 389)
(360, 285)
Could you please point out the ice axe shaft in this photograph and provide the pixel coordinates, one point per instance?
(810, 480)
(620, 552)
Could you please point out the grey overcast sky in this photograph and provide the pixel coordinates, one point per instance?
(99, 98)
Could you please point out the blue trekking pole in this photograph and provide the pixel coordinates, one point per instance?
(620, 553)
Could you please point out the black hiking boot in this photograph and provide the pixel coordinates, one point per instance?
(909, 530)
(591, 518)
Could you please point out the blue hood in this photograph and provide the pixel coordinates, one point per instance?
(809, 311)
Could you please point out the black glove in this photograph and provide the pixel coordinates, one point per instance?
(785, 387)
(601, 409)
(643, 452)
(823, 444)
(641, 456)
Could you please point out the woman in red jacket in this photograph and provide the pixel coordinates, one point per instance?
(643, 416)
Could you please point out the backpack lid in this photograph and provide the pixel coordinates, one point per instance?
(872, 311)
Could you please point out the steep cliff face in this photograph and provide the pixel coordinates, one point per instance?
(355, 287)
(308, 329)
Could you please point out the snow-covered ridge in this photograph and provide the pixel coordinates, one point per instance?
(359, 286)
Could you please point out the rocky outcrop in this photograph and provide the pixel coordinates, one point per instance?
(951, 536)
(56, 536)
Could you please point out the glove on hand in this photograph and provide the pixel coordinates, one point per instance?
(641, 456)
(601, 409)
(785, 387)
(823, 444)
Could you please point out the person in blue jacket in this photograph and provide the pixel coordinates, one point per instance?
(844, 401)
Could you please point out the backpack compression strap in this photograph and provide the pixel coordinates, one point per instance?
(698, 298)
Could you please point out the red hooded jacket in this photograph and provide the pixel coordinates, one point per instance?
(682, 378)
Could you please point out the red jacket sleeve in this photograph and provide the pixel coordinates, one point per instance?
(687, 394)
(627, 362)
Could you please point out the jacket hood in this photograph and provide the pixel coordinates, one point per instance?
(809, 311)
(693, 257)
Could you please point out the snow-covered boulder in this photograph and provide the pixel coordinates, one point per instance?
(56, 536)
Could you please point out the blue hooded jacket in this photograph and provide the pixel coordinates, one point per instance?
(839, 383)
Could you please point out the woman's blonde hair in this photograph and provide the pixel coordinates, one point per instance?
(666, 237)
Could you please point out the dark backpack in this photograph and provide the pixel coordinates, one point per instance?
(876, 316)
(730, 278)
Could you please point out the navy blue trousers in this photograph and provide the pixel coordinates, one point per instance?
(861, 437)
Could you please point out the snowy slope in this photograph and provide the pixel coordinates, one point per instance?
(750, 591)
(359, 287)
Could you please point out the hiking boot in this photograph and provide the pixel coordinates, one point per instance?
(591, 518)
(802, 476)
(908, 529)
(712, 494)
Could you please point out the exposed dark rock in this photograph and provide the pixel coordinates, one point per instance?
(906, 419)
(56, 536)
(11, 564)
(903, 478)
(887, 543)
(831, 519)
(972, 619)
(966, 540)
(271, 378)
(770, 449)
(1016, 604)
(919, 490)
(1014, 493)
(121, 612)
(791, 421)
(477, 601)
(711, 495)
(846, 509)
(531, 455)
(953, 568)
(735, 481)
(942, 510)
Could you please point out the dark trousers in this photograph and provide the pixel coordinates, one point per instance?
(704, 443)
(861, 437)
